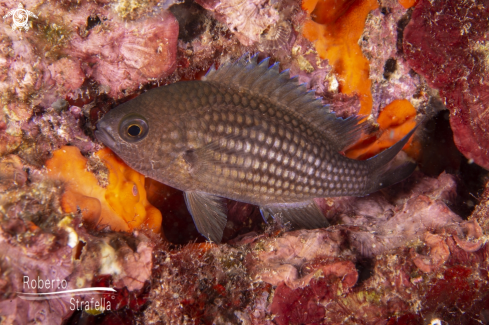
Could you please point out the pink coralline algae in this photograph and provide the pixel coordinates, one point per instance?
(47, 132)
(76, 53)
(248, 19)
(131, 54)
(389, 70)
(384, 221)
(326, 288)
(67, 74)
(12, 118)
(12, 173)
(66, 46)
(38, 241)
(446, 43)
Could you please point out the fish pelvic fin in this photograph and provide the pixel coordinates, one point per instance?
(209, 213)
(383, 174)
(265, 81)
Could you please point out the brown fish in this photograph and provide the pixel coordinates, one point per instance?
(249, 133)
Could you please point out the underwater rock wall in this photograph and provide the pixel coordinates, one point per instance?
(410, 254)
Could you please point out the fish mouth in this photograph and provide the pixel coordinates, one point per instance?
(104, 136)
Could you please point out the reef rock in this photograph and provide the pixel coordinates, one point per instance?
(72, 52)
(69, 44)
(375, 264)
(389, 71)
(129, 54)
(248, 19)
(59, 250)
(399, 256)
(391, 219)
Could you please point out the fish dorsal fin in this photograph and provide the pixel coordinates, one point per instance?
(266, 81)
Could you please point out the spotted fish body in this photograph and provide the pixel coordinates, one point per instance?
(249, 133)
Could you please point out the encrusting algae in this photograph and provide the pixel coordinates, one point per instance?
(122, 204)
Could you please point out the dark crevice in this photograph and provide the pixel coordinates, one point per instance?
(401, 24)
(365, 268)
(440, 154)
(191, 19)
(389, 68)
(470, 186)
(93, 21)
(79, 249)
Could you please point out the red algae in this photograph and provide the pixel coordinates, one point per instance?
(204, 285)
(439, 253)
(305, 305)
(456, 43)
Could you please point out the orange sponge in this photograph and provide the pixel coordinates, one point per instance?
(122, 204)
(395, 121)
(335, 28)
(408, 3)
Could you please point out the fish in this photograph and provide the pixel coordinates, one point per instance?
(249, 133)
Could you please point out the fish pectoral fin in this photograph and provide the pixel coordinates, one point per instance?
(305, 215)
(209, 213)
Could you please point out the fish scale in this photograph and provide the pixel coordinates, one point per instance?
(249, 133)
(275, 159)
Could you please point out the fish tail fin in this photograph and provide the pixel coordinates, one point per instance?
(383, 174)
(392, 176)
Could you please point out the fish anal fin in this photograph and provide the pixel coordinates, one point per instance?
(304, 215)
(209, 213)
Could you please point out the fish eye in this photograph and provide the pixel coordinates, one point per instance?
(133, 128)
